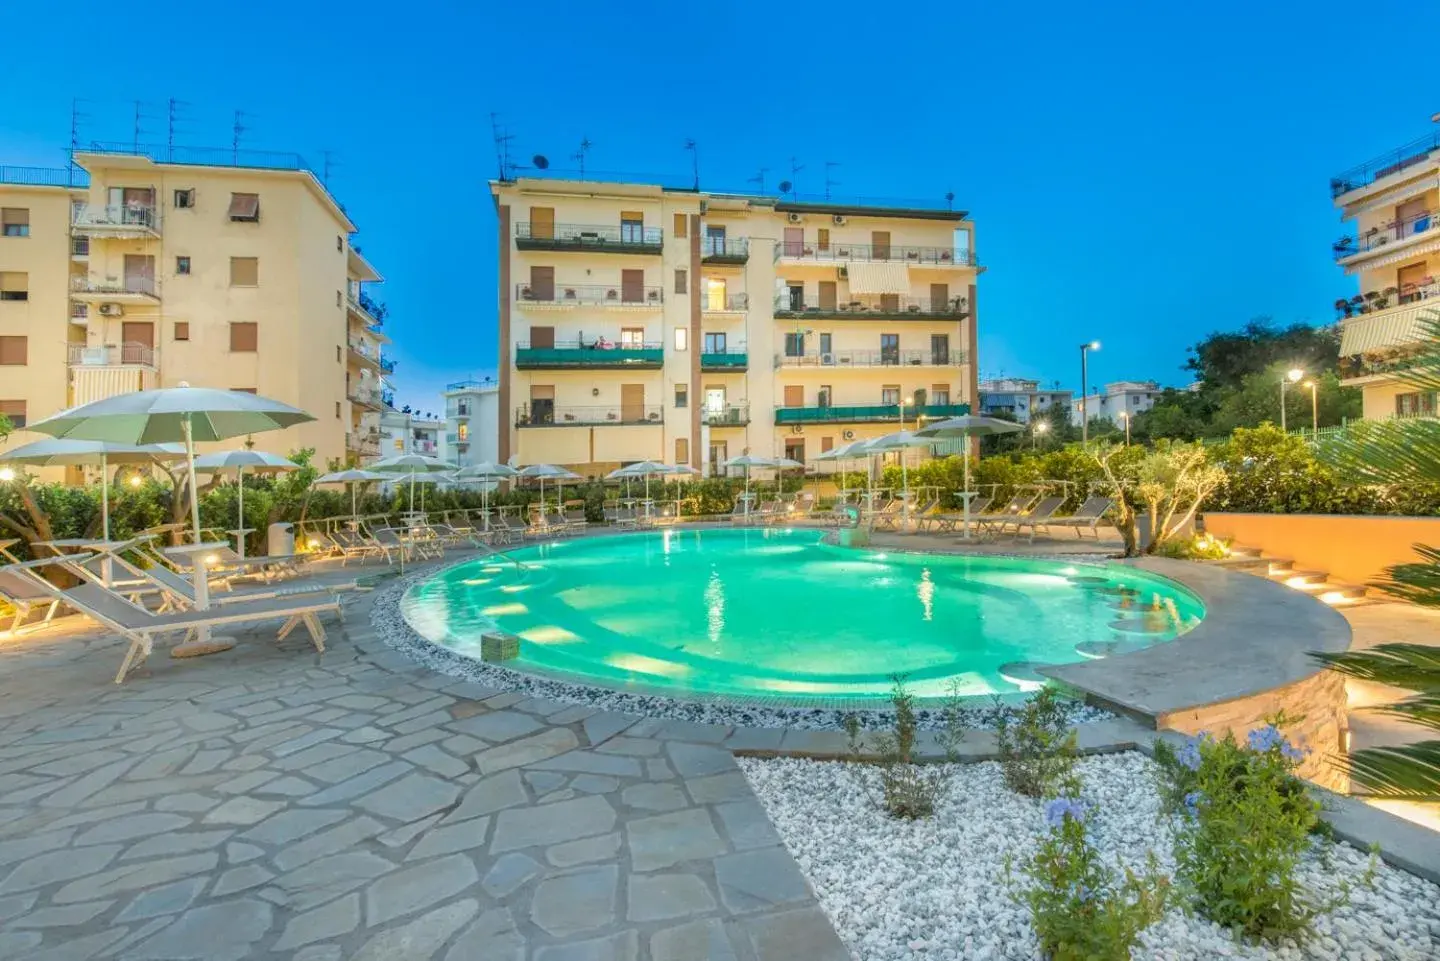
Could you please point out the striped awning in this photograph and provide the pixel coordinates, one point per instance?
(1394, 196)
(878, 278)
(1403, 253)
(1396, 328)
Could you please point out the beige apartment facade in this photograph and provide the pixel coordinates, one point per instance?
(1392, 203)
(156, 274)
(638, 322)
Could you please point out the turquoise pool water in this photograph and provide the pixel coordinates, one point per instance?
(776, 614)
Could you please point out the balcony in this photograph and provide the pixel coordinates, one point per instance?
(459, 440)
(729, 304)
(731, 415)
(113, 355)
(841, 253)
(133, 290)
(1382, 342)
(718, 250)
(878, 413)
(79, 248)
(590, 238)
(1389, 235)
(367, 397)
(609, 296)
(1391, 162)
(387, 366)
(577, 356)
(625, 415)
(365, 309)
(730, 360)
(885, 307)
(875, 358)
(116, 220)
(364, 443)
(368, 355)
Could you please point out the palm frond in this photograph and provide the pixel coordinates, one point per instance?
(1411, 666)
(1422, 711)
(1407, 773)
(1417, 583)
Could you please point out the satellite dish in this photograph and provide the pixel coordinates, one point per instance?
(950, 197)
(786, 186)
(540, 162)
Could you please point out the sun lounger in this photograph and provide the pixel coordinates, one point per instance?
(947, 522)
(1088, 517)
(1036, 516)
(21, 593)
(997, 520)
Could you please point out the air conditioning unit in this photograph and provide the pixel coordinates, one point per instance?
(797, 429)
(794, 218)
(847, 434)
(112, 310)
(838, 220)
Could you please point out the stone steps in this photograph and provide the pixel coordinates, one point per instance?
(1252, 560)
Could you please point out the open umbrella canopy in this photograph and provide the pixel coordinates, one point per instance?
(970, 425)
(899, 440)
(750, 460)
(412, 463)
(55, 452)
(548, 472)
(160, 416)
(486, 471)
(786, 463)
(352, 476)
(252, 460)
(642, 468)
(681, 470)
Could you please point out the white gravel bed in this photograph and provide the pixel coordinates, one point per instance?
(934, 890)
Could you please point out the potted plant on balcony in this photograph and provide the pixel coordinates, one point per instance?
(1344, 246)
(612, 294)
(1343, 307)
(525, 293)
(569, 293)
(1357, 304)
(654, 296)
(1390, 293)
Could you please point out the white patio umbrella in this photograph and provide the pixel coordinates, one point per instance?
(899, 441)
(352, 477)
(237, 460)
(967, 426)
(53, 452)
(485, 471)
(644, 468)
(543, 471)
(412, 464)
(183, 414)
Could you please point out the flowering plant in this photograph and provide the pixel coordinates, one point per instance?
(1080, 909)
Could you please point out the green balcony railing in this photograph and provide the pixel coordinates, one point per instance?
(721, 362)
(867, 414)
(589, 356)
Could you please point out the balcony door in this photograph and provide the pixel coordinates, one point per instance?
(795, 344)
(714, 343)
(826, 354)
(828, 297)
(939, 348)
(542, 405)
(137, 342)
(889, 348)
(714, 240)
(719, 454)
(542, 283)
(140, 273)
(714, 403)
(879, 245)
(632, 286)
(795, 449)
(542, 223)
(714, 293)
(794, 241)
(939, 298)
(542, 337)
(794, 396)
(1410, 281)
(632, 403)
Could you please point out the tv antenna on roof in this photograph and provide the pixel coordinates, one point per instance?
(585, 146)
(759, 178)
(694, 149)
(830, 165)
(950, 200)
(173, 119)
(788, 186)
(237, 129)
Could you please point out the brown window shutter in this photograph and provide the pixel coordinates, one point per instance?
(542, 392)
(682, 450)
(14, 351)
(14, 411)
(827, 295)
(242, 390)
(822, 238)
(939, 296)
(182, 330)
(680, 225)
(244, 207)
(632, 215)
(826, 443)
(632, 286)
(137, 332)
(14, 281)
(244, 271)
(542, 283)
(680, 281)
(632, 402)
(542, 223)
(794, 396)
(794, 241)
(880, 244)
(15, 215)
(542, 337)
(890, 303)
(244, 337)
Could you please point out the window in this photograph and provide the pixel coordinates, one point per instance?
(244, 271)
(631, 338)
(797, 296)
(939, 348)
(340, 243)
(680, 225)
(795, 344)
(14, 286)
(244, 337)
(682, 395)
(182, 330)
(242, 390)
(1412, 404)
(715, 298)
(632, 227)
(890, 396)
(339, 300)
(822, 238)
(795, 449)
(14, 351)
(823, 395)
(939, 393)
(337, 410)
(680, 281)
(682, 450)
(244, 208)
(682, 338)
(889, 348)
(184, 199)
(462, 431)
(14, 411)
(14, 221)
(182, 265)
(714, 343)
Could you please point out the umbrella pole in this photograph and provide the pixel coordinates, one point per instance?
(354, 507)
(485, 507)
(106, 571)
(190, 466)
(240, 527)
(966, 494)
(412, 490)
(904, 490)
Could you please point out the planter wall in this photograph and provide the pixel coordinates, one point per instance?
(1352, 548)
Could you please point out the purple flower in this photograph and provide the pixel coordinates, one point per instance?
(1265, 739)
(1192, 803)
(1189, 754)
(1292, 753)
(1062, 807)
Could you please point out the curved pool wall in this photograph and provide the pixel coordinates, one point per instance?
(776, 616)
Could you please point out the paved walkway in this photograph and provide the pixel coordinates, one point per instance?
(271, 803)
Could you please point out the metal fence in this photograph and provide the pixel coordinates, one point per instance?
(873, 358)
(888, 306)
(722, 248)
(43, 176)
(588, 236)
(837, 252)
(537, 415)
(1392, 161)
(601, 294)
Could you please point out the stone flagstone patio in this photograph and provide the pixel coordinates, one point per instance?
(270, 803)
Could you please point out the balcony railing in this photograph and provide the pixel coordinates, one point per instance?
(877, 413)
(604, 295)
(731, 415)
(1390, 162)
(1374, 301)
(116, 218)
(732, 358)
(365, 396)
(886, 307)
(132, 288)
(835, 252)
(574, 354)
(535, 415)
(368, 353)
(716, 250)
(79, 246)
(874, 358)
(599, 238)
(731, 302)
(387, 366)
(365, 308)
(112, 355)
(44, 176)
(1377, 237)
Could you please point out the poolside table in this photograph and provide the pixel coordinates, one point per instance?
(204, 643)
(967, 496)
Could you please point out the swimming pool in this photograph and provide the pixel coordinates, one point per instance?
(777, 615)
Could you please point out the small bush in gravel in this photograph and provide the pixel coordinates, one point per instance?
(1037, 746)
(1244, 823)
(1081, 910)
(908, 790)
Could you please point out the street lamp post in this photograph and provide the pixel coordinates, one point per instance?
(1036, 429)
(1124, 415)
(904, 474)
(1292, 376)
(1314, 408)
(1084, 390)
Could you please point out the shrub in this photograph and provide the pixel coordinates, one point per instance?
(1244, 821)
(1080, 909)
(907, 789)
(1197, 547)
(1037, 747)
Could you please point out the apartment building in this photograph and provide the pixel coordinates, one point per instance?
(639, 322)
(126, 273)
(1022, 399)
(1121, 399)
(406, 432)
(472, 423)
(1394, 254)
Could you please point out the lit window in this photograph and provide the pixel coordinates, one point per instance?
(182, 265)
(682, 338)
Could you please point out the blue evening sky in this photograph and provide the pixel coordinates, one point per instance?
(1141, 173)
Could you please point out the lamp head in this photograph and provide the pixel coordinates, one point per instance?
(1295, 374)
(1094, 345)
(1309, 383)
(1041, 426)
(908, 401)
(7, 474)
(135, 480)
